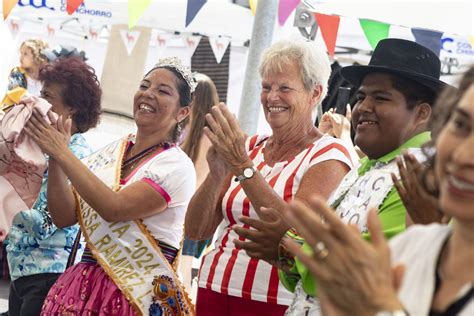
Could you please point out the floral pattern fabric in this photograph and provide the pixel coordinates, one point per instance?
(34, 244)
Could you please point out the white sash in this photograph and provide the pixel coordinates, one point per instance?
(127, 251)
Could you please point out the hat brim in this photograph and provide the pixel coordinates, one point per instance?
(355, 75)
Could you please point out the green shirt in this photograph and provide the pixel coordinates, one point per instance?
(391, 213)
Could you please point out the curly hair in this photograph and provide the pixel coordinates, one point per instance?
(37, 46)
(81, 89)
(442, 112)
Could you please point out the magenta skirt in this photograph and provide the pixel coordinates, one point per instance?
(85, 289)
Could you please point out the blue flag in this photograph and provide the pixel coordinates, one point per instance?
(428, 38)
(193, 8)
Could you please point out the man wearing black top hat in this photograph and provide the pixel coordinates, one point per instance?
(395, 93)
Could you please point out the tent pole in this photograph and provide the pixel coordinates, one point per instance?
(262, 34)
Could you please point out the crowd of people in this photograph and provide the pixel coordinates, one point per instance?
(300, 217)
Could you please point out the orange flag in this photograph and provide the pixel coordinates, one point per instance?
(329, 26)
(72, 5)
(8, 5)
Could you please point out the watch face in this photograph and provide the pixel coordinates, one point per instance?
(248, 172)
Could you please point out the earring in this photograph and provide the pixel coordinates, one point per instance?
(179, 127)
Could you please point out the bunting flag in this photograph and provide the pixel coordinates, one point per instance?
(374, 31)
(136, 8)
(191, 42)
(93, 33)
(471, 39)
(15, 26)
(129, 38)
(219, 46)
(161, 40)
(329, 26)
(51, 29)
(428, 38)
(253, 6)
(8, 6)
(192, 9)
(72, 6)
(285, 7)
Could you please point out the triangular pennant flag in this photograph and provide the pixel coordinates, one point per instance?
(161, 40)
(93, 33)
(374, 31)
(51, 28)
(192, 9)
(329, 26)
(8, 6)
(428, 38)
(191, 42)
(471, 39)
(253, 6)
(72, 5)
(285, 7)
(14, 26)
(219, 46)
(129, 38)
(136, 8)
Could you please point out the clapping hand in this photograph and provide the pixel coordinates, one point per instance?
(421, 207)
(354, 275)
(53, 139)
(336, 124)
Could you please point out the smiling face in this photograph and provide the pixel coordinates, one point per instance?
(286, 102)
(454, 164)
(156, 103)
(380, 117)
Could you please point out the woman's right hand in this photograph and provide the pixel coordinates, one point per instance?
(217, 166)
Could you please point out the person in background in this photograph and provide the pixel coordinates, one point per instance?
(37, 250)
(246, 174)
(196, 145)
(32, 58)
(426, 270)
(130, 199)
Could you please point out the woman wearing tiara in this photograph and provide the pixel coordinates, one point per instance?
(130, 200)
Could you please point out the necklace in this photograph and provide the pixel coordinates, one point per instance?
(134, 158)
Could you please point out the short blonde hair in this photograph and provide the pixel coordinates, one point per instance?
(314, 63)
(37, 46)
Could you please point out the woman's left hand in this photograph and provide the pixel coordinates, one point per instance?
(52, 140)
(263, 240)
(227, 138)
(355, 275)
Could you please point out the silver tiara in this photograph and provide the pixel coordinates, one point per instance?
(175, 63)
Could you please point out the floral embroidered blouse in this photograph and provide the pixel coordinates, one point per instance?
(34, 244)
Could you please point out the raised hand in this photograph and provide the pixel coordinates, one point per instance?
(355, 276)
(421, 207)
(53, 141)
(227, 138)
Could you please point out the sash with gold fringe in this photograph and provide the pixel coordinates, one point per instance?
(127, 251)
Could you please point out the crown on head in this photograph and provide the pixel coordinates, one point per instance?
(175, 63)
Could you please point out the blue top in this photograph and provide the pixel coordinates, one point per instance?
(34, 244)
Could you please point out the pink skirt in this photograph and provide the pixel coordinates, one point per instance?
(85, 289)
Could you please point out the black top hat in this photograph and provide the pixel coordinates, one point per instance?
(402, 58)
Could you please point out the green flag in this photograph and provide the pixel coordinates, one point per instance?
(136, 8)
(374, 31)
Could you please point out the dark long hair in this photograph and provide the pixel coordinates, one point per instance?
(442, 112)
(204, 97)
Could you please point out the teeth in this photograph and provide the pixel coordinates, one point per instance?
(460, 185)
(274, 109)
(146, 108)
(367, 123)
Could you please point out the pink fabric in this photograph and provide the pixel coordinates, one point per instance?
(159, 189)
(22, 162)
(85, 289)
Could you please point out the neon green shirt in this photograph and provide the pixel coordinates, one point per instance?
(391, 213)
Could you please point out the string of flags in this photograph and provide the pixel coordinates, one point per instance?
(328, 25)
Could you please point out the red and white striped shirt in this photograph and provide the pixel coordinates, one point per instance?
(231, 271)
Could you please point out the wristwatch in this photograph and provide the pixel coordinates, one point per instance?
(246, 174)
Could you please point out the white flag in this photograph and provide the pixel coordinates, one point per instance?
(129, 38)
(191, 42)
(219, 46)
